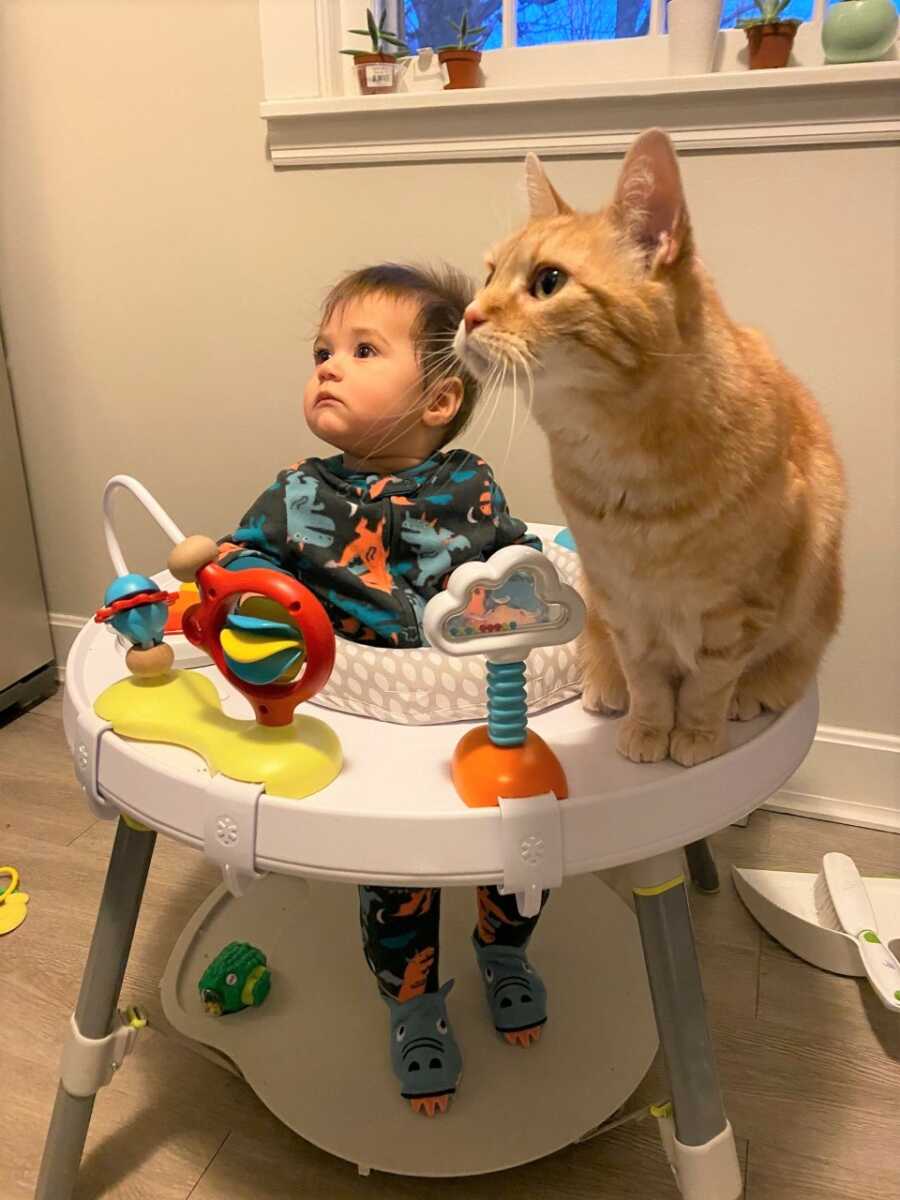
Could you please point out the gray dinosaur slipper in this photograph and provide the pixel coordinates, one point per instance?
(424, 1054)
(514, 991)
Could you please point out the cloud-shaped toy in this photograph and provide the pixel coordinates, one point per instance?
(504, 607)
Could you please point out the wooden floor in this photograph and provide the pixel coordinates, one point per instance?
(810, 1063)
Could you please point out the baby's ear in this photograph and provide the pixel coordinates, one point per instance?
(543, 198)
(444, 402)
(650, 201)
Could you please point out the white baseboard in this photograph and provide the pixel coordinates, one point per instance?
(64, 629)
(850, 775)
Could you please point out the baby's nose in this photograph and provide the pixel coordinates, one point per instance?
(473, 317)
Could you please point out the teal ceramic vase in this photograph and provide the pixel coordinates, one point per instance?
(859, 30)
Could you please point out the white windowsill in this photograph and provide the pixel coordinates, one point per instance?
(857, 102)
(788, 77)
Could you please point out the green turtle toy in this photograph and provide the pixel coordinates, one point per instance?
(236, 978)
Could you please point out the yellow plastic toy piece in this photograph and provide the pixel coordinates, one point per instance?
(136, 1017)
(183, 708)
(13, 903)
(250, 647)
(267, 609)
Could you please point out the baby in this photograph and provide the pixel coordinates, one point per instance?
(374, 531)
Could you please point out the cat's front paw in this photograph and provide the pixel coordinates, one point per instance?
(609, 700)
(744, 706)
(642, 743)
(690, 747)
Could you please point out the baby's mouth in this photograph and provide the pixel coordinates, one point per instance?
(326, 398)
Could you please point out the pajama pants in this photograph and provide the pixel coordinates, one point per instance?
(401, 933)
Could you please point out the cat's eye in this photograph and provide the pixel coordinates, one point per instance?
(547, 282)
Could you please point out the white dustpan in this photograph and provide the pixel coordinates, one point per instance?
(782, 902)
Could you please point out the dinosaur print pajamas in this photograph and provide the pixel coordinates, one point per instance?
(374, 549)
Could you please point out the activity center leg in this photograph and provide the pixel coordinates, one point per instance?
(702, 866)
(96, 1008)
(697, 1136)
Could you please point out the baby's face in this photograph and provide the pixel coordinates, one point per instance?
(365, 393)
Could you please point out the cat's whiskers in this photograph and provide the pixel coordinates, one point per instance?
(498, 392)
(512, 426)
(484, 403)
(529, 375)
(491, 392)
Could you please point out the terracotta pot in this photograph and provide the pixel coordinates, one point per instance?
(770, 45)
(376, 83)
(462, 67)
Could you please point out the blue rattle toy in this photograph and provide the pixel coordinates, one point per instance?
(137, 608)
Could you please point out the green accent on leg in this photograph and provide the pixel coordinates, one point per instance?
(133, 824)
(897, 995)
(869, 936)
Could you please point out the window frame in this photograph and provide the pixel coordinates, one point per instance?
(316, 117)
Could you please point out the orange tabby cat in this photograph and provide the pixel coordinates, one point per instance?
(698, 477)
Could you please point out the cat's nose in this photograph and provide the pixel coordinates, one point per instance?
(473, 317)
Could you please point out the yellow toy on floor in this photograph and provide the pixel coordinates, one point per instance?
(13, 903)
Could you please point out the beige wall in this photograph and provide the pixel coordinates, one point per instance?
(159, 280)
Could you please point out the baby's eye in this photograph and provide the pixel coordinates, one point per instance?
(365, 350)
(320, 355)
(547, 281)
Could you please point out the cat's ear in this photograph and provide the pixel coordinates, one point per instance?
(543, 198)
(650, 199)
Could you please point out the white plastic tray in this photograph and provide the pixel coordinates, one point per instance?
(393, 816)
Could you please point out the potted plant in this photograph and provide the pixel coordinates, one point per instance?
(378, 70)
(769, 39)
(463, 58)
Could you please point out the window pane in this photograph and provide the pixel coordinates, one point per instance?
(428, 22)
(736, 10)
(542, 21)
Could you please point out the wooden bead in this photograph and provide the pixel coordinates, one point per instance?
(190, 555)
(154, 661)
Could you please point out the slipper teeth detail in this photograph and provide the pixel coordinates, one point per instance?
(430, 1105)
(524, 1037)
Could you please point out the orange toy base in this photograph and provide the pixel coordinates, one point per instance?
(482, 771)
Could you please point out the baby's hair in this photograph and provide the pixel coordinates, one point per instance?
(442, 294)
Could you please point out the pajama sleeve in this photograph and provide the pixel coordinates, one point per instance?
(261, 538)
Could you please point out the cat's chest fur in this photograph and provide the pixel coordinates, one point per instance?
(646, 587)
(661, 548)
